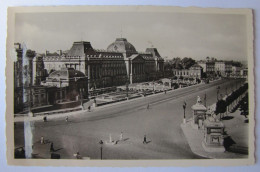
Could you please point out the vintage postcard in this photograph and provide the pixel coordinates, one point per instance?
(130, 86)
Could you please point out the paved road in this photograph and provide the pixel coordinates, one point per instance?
(160, 123)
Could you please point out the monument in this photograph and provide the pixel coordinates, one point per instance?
(213, 135)
(199, 114)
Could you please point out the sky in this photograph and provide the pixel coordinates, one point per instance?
(222, 36)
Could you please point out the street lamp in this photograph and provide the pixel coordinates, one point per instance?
(103, 86)
(184, 107)
(127, 85)
(101, 143)
(205, 100)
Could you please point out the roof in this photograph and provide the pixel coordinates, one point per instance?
(196, 66)
(153, 51)
(121, 45)
(80, 49)
(52, 54)
(107, 54)
(199, 106)
(147, 56)
(134, 56)
(65, 74)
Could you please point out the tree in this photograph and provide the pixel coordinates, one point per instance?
(221, 107)
(174, 78)
(204, 75)
(244, 106)
(187, 62)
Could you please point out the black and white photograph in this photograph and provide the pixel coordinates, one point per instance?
(92, 84)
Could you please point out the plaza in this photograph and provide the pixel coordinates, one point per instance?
(161, 123)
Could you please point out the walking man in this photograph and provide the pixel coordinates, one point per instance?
(51, 148)
(42, 140)
(78, 156)
(148, 106)
(144, 142)
(67, 119)
(121, 136)
(89, 108)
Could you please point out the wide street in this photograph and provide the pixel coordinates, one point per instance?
(160, 123)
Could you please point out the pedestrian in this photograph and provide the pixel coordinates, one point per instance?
(144, 142)
(51, 148)
(148, 106)
(164, 91)
(121, 136)
(45, 119)
(67, 118)
(89, 108)
(78, 156)
(42, 140)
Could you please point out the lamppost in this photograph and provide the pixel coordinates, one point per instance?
(60, 90)
(81, 96)
(127, 85)
(205, 100)
(218, 88)
(101, 143)
(103, 86)
(184, 107)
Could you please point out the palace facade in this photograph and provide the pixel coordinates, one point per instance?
(50, 78)
(119, 64)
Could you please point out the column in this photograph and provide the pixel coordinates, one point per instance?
(131, 72)
(60, 94)
(65, 92)
(88, 75)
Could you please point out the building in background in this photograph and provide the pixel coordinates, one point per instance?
(235, 71)
(223, 68)
(118, 64)
(244, 72)
(195, 71)
(208, 66)
(23, 78)
(65, 85)
(32, 90)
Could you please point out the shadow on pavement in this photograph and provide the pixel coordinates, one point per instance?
(227, 117)
(57, 150)
(228, 141)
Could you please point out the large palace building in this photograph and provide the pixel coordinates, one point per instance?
(51, 78)
(117, 65)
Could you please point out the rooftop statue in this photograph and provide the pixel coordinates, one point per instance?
(198, 100)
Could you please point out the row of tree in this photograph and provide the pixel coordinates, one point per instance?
(187, 62)
(225, 105)
(178, 63)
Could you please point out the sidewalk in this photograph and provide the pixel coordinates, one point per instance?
(234, 127)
